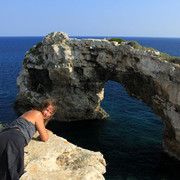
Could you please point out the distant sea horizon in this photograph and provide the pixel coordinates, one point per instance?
(89, 36)
(130, 139)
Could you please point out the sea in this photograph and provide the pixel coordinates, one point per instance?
(130, 139)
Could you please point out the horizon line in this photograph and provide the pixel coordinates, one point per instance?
(94, 36)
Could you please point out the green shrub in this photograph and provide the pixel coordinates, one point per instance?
(117, 40)
(172, 59)
(39, 44)
(25, 61)
(35, 50)
(1, 127)
(29, 95)
(148, 48)
(40, 60)
(136, 45)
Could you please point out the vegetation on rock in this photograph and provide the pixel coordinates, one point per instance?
(35, 50)
(172, 59)
(25, 61)
(1, 127)
(117, 40)
(136, 45)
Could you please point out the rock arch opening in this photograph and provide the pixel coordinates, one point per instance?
(133, 114)
(134, 132)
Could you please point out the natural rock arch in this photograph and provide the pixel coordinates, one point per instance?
(74, 72)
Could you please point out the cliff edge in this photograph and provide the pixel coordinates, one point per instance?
(58, 159)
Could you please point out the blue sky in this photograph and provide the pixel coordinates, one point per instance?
(141, 18)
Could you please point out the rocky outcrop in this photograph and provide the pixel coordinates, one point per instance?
(58, 159)
(74, 72)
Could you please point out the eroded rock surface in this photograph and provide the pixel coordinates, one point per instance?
(74, 72)
(58, 159)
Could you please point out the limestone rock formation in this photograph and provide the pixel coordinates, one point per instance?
(74, 72)
(58, 159)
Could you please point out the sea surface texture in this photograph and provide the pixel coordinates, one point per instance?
(130, 138)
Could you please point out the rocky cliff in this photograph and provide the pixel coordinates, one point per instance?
(74, 72)
(58, 159)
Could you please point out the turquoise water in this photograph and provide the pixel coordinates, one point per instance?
(130, 139)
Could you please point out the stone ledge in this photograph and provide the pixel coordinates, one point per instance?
(58, 159)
